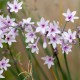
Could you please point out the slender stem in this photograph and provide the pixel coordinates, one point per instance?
(59, 65)
(64, 27)
(67, 66)
(52, 71)
(11, 54)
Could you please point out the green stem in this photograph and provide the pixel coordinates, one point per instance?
(64, 27)
(59, 65)
(11, 54)
(61, 70)
(69, 76)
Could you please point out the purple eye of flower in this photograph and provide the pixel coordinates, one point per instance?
(50, 59)
(54, 39)
(70, 37)
(31, 34)
(43, 25)
(3, 64)
(69, 17)
(52, 30)
(34, 46)
(66, 47)
(8, 21)
(8, 38)
(16, 7)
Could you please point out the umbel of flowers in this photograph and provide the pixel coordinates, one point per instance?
(51, 32)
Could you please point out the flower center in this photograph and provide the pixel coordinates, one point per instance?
(34, 46)
(8, 38)
(69, 17)
(66, 47)
(43, 25)
(3, 64)
(15, 7)
(50, 59)
(54, 39)
(52, 30)
(70, 37)
(31, 34)
(8, 21)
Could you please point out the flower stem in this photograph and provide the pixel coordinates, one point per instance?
(59, 65)
(64, 27)
(69, 76)
(52, 71)
(11, 54)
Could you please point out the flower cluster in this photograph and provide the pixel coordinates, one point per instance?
(8, 30)
(49, 31)
(4, 64)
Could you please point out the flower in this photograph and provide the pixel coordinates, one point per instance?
(9, 39)
(34, 47)
(1, 76)
(30, 36)
(4, 63)
(54, 40)
(66, 48)
(13, 32)
(27, 24)
(42, 26)
(10, 22)
(27, 21)
(15, 6)
(69, 35)
(70, 16)
(48, 60)
(53, 29)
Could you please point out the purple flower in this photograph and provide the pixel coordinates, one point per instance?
(15, 6)
(53, 29)
(54, 40)
(4, 63)
(42, 26)
(69, 35)
(66, 48)
(30, 36)
(9, 39)
(48, 60)
(34, 47)
(70, 16)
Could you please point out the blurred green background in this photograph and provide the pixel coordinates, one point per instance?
(52, 10)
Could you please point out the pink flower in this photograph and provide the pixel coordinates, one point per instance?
(4, 63)
(15, 6)
(9, 39)
(10, 22)
(27, 21)
(30, 36)
(53, 29)
(69, 35)
(48, 60)
(54, 40)
(70, 16)
(34, 47)
(42, 26)
(66, 48)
